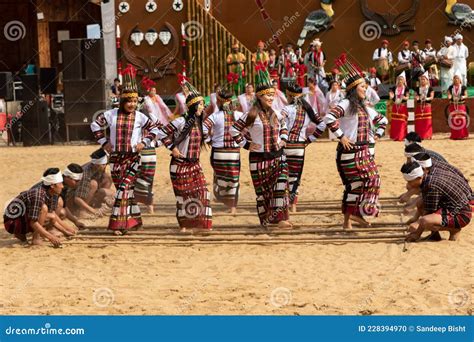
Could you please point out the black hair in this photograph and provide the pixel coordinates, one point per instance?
(409, 167)
(413, 137)
(355, 102)
(423, 156)
(75, 168)
(295, 88)
(116, 80)
(97, 154)
(414, 148)
(190, 120)
(224, 94)
(51, 171)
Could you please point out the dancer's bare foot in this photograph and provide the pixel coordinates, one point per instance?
(119, 232)
(182, 230)
(293, 208)
(37, 240)
(151, 209)
(454, 234)
(233, 210)
(361, 221)
(347, 226)
(285, 225)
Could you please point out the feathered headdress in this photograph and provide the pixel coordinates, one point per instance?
(353, 75)
(263, 82)
(193, 94)
(147, 83)
(130, 87)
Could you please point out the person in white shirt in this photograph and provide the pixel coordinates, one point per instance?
(355, 126)
(225, 154)
(267, 137)
(383, 52)
(156, 108)
(461, 53)
(279, 100)
(374, 81)
(430, 52)
(333, 97)
(124, 147)
(298, 115)
(404, 61)
(247, 99)
(371, 96)
(446, 56)
(212, 107)
(383, 58)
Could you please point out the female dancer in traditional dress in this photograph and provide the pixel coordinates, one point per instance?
(247, 99)
(225, 155)
(458, 118)
(298, 115)
(354, 124)
(184, 138)
(268, 135)
(423, 117)
(160, 115)
(399, 95)
(125, 142)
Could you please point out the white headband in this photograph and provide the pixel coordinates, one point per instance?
(411, 154)
(100, 161)
(408, 142)
(423, 163)
(52, 179)
(416, 173)
(70, 174)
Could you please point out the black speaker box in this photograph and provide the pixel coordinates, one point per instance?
(35, 123)
(6, 86)
(48, 80)
(30, 84)
(84, 90)
(82, 112)
(72, 59)
(93, 51)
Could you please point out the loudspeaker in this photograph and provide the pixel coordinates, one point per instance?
(84, 90)
(384, 90)
(48, 80)
(35, 123)
(30, 86)
(94, 63)
(82, 112)
(6, 86)
(72, 59)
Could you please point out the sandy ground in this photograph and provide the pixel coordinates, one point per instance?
(351, 278)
